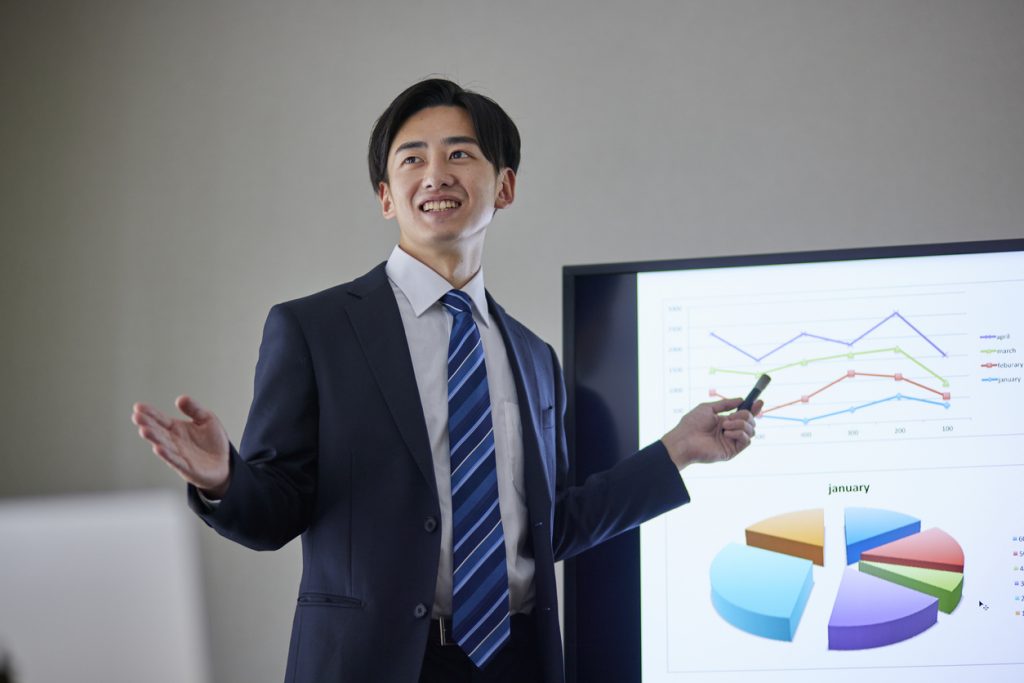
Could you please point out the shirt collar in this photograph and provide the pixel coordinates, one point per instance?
(423, 287)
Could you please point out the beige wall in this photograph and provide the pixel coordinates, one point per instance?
(168, 170)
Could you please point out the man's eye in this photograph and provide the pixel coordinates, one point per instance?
(410, 160)
(459, 154)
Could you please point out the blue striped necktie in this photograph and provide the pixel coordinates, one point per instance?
(480, 616)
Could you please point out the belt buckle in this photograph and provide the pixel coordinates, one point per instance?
(443, 625)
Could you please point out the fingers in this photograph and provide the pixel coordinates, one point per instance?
(737, 425)
(190, 407)
(146, 412)
(724, 404)
(163, 446)
(151, 428)
(739, 438)
(740, 427)
(155, 427)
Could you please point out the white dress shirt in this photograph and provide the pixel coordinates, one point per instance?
(427, 328)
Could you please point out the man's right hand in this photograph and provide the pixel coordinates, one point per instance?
(196, 448)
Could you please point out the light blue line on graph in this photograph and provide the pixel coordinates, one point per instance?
(894, 314)
(853, 409)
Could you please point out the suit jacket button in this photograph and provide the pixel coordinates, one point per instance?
(419, 611)
(429, 524)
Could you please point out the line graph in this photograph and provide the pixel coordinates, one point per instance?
(853, 409)
(804, 362)
(864, 357)
(809, 335)
(834, 362)
(858, 352)
(851, 374)
(821, 393)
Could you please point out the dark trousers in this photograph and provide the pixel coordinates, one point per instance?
(518, 661)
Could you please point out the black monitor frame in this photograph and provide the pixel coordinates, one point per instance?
(602, 585)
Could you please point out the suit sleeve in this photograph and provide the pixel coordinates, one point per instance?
(273, 474)
(638, 488)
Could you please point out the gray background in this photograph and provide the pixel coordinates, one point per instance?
(169, 170)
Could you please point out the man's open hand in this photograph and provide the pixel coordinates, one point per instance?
(196, 448)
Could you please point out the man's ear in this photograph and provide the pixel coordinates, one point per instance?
(387, 205)
(506, 188)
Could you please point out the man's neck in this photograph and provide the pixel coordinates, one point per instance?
(457, 266)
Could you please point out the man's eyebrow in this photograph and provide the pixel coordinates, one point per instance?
(461, 140)
(412, 144)
(452, 140)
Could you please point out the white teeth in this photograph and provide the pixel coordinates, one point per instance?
(442, 205)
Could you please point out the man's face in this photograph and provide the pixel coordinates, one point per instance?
(441, 188)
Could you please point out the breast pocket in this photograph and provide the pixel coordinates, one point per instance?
(547, 418)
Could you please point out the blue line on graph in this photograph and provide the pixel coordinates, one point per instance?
(989, 379)
(853, 409)
(894, 314)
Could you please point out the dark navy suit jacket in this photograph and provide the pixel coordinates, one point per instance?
(336, 449)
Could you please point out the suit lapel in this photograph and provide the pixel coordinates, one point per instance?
(378, 327)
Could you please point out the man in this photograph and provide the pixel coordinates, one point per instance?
(412, 432)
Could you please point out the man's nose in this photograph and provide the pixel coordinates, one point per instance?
(438, 174)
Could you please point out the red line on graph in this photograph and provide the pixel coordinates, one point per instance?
(850, 374)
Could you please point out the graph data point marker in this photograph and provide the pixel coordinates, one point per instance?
(898, 376)
(851, 373)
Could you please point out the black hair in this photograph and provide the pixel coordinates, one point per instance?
(495, 131)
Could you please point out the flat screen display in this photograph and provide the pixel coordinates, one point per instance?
(874, 528)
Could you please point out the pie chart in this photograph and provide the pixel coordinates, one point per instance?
(896, 580)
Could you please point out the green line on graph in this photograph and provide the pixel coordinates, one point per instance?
(851, 354)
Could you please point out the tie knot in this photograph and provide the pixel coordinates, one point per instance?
(457, 301)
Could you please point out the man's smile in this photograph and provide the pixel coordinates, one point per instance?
(434, 205)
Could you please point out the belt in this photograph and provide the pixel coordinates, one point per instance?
(441, 632)
(441, 629)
